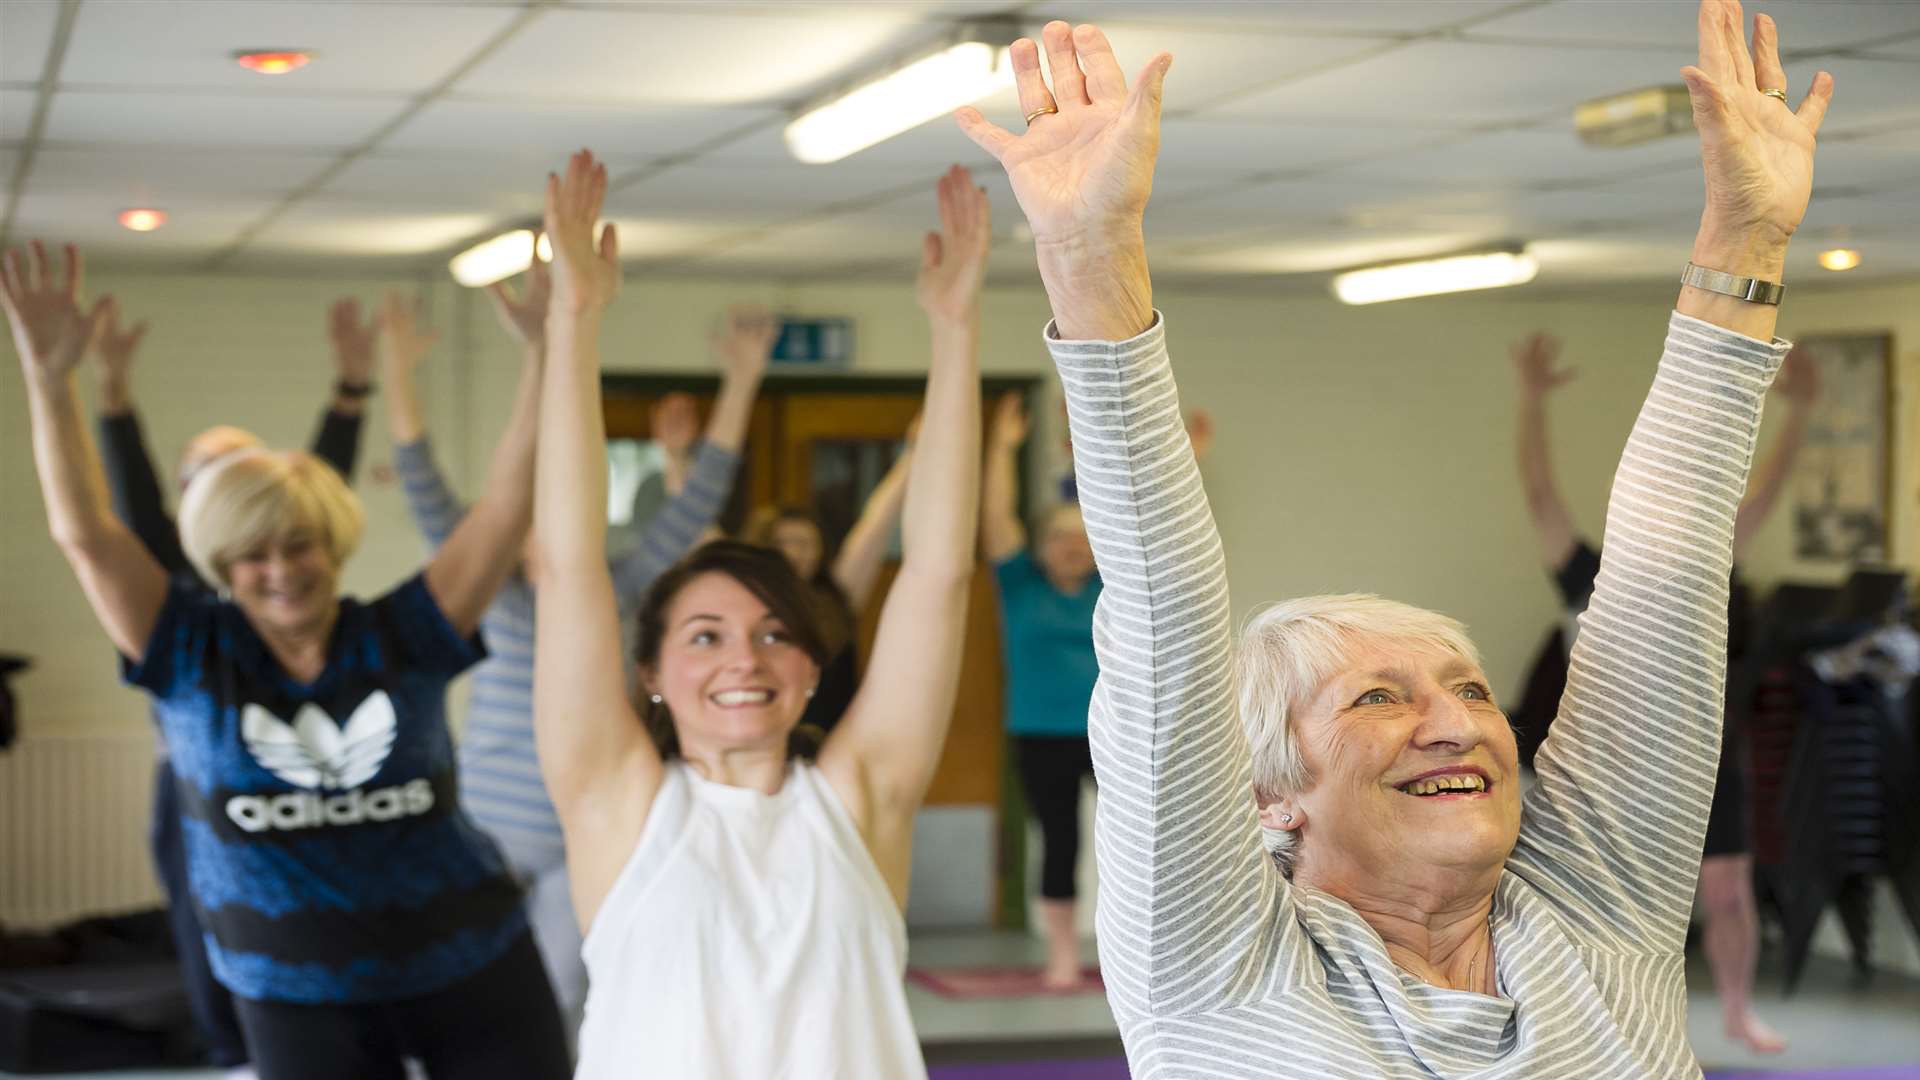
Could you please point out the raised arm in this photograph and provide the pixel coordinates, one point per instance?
(337, 440)
(1001, 533)
(1534, 362)
(123, 583)
(135, 487)
(431, 502)
(695, 501)
(1182, 872)
(856, 568)
(884, 751)
(1799, 386)
(1615, 825)
(469, 568)
(601, 770)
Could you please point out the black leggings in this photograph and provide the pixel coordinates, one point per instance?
(501, 1024)
(1050, 772)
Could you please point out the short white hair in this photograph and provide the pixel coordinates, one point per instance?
(248, 498)
(1292, 647)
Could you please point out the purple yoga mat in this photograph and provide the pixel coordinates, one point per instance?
(1116, 1069)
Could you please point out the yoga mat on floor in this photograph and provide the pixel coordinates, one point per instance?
(984, 983)
(1116, 1069)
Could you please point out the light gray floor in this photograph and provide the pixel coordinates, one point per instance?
(1830, 1022)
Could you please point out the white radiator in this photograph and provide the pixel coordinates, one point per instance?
(73, 829)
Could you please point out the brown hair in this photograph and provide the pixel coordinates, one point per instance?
(766, 574)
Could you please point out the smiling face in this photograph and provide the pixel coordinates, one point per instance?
(1414, 769)
(732, 675)
(286, 585)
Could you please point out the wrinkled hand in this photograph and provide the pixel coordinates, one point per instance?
(50, 331)
(523, 314)
(1756, 150)
(354, 341)
(1200, 433)
(676, 423)
(1799, 379)
(1089, 166)
(1534, 361)
(953, 261)
(403, 342)
(745, 340)
(117, 348)
(585, 276)
(1009, 428)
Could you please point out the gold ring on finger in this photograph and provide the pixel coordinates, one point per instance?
(1042, 111)
(1772, 92)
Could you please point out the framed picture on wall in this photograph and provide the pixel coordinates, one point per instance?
(1842, 484)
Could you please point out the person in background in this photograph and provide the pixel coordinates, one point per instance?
(842, 587)
(745, 903)
(353, 911)
(501, 787)
(1732, 927)
(140, 505)
(1047, 596)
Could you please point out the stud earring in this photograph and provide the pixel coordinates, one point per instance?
(656, 699)
(810, 692)
(1285, 819)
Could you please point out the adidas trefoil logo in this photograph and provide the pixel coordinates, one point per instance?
(316, 753)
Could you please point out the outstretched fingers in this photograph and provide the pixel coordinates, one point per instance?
(985, 134)
(1069, 84)
(1143, 103)
(1105, 81)
(1813, 107)
(1767, 72)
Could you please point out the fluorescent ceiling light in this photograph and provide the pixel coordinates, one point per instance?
(497, 259)
(1428, 277)
(902, 99)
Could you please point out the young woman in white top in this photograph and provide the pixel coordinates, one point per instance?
(743, 908)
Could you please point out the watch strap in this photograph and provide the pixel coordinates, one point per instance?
(1752, 290)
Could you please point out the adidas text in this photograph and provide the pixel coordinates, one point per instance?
(309, 810)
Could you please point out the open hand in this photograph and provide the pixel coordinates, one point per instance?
(117, 348)
(953, 261)
(354, 341)
(524, 313)
(1009, 426)
(403, 342)
(745, 340)
(1757, 150)
(50, 330)
(1534, 362)
(1089, 165)
(585, 276)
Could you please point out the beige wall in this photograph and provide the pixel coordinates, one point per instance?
(1359, 448)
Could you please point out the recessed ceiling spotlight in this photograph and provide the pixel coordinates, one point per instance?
(143, 219)
(1840, 259)
(272, 61)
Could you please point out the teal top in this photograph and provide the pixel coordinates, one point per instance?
(1048, 637)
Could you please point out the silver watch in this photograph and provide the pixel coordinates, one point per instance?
(1752, 290)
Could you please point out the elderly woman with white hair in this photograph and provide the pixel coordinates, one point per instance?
(1424, 918)
(355, 913)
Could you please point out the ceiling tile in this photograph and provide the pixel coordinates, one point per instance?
(334, 228)
(754, 196)
(116, 179)
(1866, 92)
(377, 47)
(194, 227)
(502, 184)
(151, 118)
(1804, 24)
(1456, 82)
(1514, 159)
(641, 55)
(1372, 17)
(26, 31)
(16, 113)
(554, 129)
(1868, 164)
(1251, 145)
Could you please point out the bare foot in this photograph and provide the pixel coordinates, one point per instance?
(1754, 1032)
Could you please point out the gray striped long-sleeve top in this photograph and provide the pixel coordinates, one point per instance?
(500, 785)
(1215, 964)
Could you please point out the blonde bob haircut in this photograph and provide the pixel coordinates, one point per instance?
(248, 499)
(1288, 650)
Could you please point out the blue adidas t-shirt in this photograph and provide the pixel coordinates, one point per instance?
(325, 845)
(1049, 649)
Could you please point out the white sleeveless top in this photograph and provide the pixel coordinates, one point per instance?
(749, 936)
